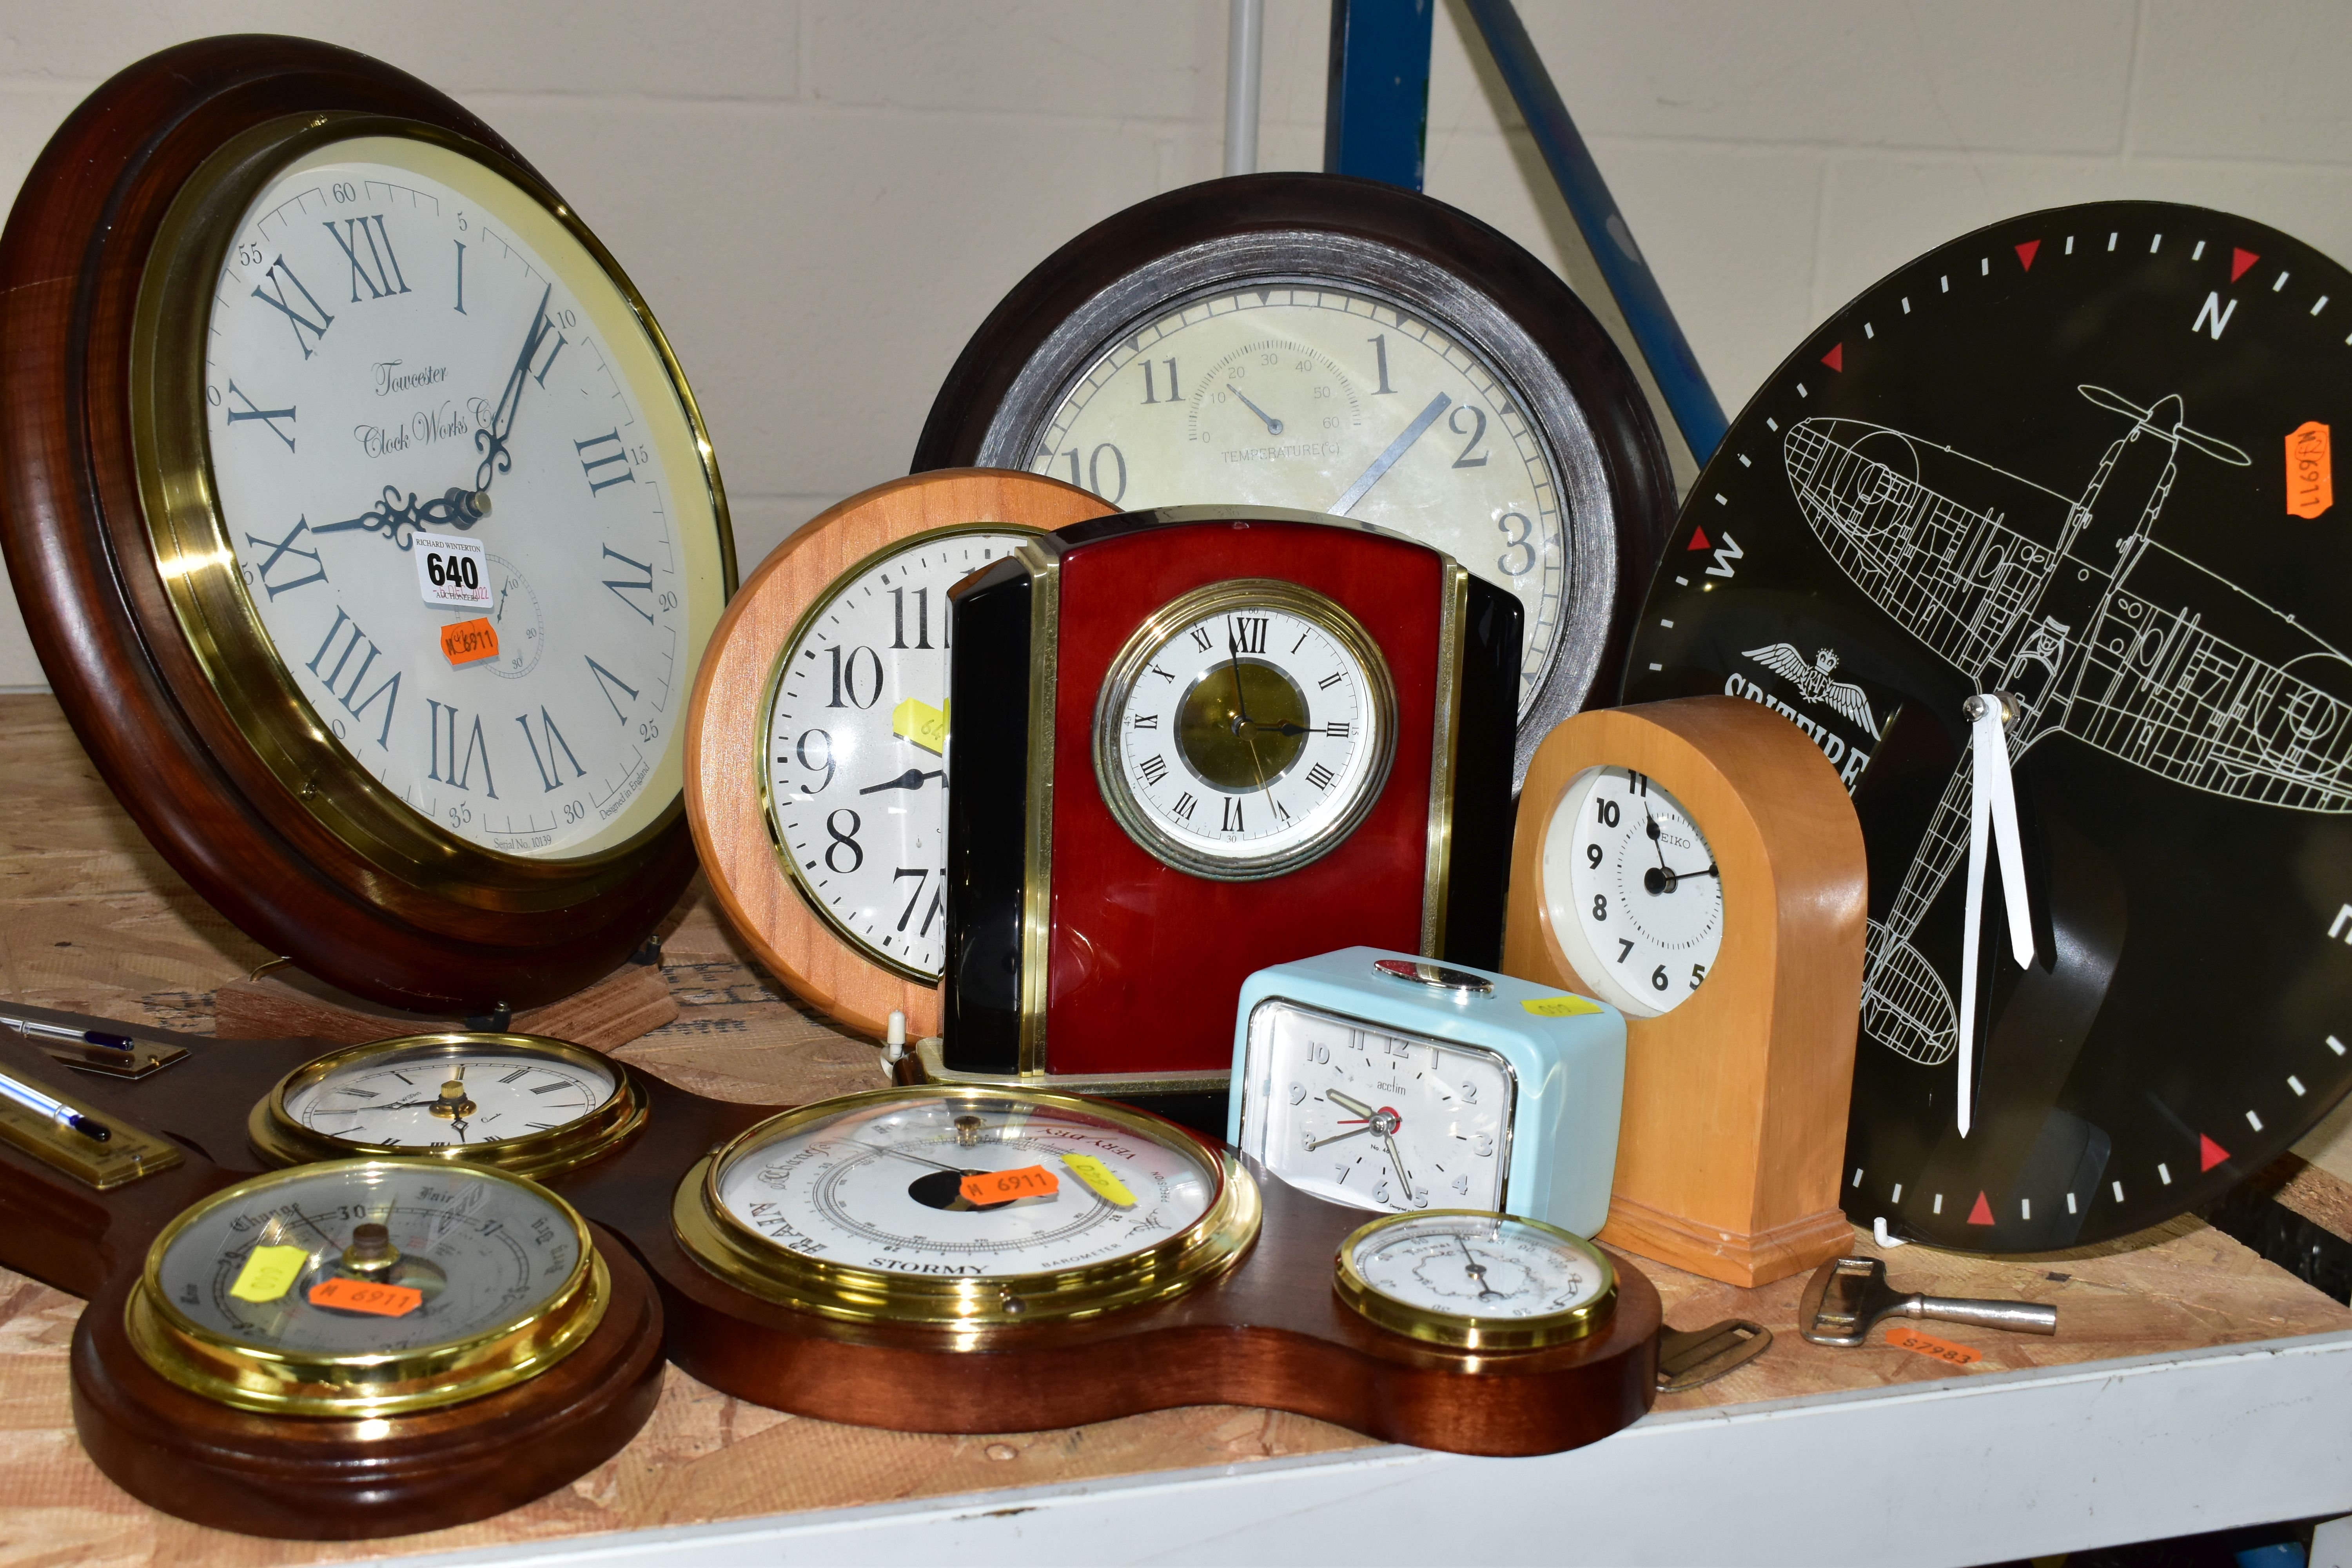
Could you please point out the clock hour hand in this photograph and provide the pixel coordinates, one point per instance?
(398, 520)
(1273, 425)
(912, 779)
(1388, 459)
(1357, 1106)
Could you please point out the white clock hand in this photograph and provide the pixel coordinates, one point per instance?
(1992, 814)
(1388, 459)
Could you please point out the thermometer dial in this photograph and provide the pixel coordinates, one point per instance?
(956, 1205)
(367, 1287)
(1480, 1281)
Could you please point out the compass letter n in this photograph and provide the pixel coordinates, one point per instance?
(2216, 313)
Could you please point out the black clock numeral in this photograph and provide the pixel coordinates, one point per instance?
(1453, 422)
(1201, 639)
(621, 587)
(1230, 820)
(348, 696)
(1249, 632)
(1153, 768)
(1380, 353)
(844, 838)
(1623, 946)
(518, 1073)
(269, 416)
(1094, 472)
(1606, 810)
(1162, 673)
(1519, 556)
(461, 765)
(1281, 811)
(1592, 856)
(606, 681)
(1658, 980)
(1698, 973)
(844, 677)
(898, 617)
(1174, 397)
(461, 275)
(380, 269)
(1330, 680)
(281, 549)
(551, 771)
(1601, 912)
(922, 876)
(299, 323)
(1636, 783)
(1184, 807)
(1321, 777)
(1337, 730)
(617, 456)
(1146, 720)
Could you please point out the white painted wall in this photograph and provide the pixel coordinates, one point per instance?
(824, 198)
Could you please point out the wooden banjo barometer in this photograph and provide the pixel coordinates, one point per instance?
(362, 520)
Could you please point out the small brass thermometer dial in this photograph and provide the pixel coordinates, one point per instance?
(1476, 1281)
(367, 1287)
(523, 1103)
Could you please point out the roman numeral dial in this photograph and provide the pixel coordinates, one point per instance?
(366, 437)
(1246, 730)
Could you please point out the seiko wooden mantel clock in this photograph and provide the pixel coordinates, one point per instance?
(362, 519)
(1697, 865)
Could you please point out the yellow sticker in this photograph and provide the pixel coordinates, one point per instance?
(921, 723)
(268, 1273)
(1560, 1007)
(1096, 1175)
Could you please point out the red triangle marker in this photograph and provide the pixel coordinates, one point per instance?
(2209, 1154)
(1699, 540)
(1982, 1213)
(2025, 254)
(2239, 261)
(1835, 359)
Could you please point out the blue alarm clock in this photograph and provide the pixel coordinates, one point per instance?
(1394, 1082)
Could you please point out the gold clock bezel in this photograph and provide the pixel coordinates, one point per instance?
(1463, 1331)
(197, 561)
(245, 1375)
(1162, 626)
(733, 1252)
(277, 1136)
(768, 690)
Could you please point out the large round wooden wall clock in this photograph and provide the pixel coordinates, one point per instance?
(361, 517)
(2081, 459)
(1344, 346)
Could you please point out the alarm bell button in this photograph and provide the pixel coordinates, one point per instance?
(1436, 975)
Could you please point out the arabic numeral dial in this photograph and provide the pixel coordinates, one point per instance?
(1634, 889)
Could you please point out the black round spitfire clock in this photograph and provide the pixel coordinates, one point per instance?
(2080, 459)
(1343, 346)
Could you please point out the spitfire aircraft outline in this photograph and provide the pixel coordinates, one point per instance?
(2081, 653)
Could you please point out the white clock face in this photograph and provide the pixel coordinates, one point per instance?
(440, 1100)
(1475, 1268)
(1318, 397)
(856, 730)
(406, 348)
(1633, 891)
(1245, 731)
(1359, 1115)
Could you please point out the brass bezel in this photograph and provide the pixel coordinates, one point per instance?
(196, 559)
(1164, 624)
(1459, 1331)
(740, 1257)
(249, 1377)
(767, 708)
(277, 1136)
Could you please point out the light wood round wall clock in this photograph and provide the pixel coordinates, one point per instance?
(816, 768)
(1696, 864)
(1339, 345)
(362, 520)
(2080, 459)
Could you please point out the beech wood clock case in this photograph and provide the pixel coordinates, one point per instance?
(1074, 952)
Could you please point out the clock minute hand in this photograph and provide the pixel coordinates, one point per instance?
(1388, 459)
(492, 441)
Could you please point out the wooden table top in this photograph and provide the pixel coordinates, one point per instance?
(92, 920)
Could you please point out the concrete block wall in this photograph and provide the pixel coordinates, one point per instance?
(824, 198)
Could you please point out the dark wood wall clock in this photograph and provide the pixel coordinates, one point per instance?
(2082, 458)
(816, 775)
(362, 520)
(1339, 345)
(1194, 742)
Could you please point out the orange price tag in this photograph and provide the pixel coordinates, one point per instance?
(356, 1296)
(1945, 1351)
(470, 642)
(2310, 471)
(1004, 1186)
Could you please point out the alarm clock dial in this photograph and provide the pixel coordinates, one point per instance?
(1329, 399)
(855, 774)
(896, 1203)
(1245, 729)
(2080, 457)
(1375, 1119)
(1476, 1280)
(430, 405)
(366, 1286)
(1633, 891)
(524, 1103)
